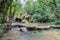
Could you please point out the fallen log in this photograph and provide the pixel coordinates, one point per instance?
(35, 26)
(55, 26)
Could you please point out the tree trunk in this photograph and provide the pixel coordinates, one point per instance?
(55, 10)
(4, 6)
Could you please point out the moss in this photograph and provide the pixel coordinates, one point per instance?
(1, 31)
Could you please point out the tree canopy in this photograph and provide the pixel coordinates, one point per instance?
(39, 10)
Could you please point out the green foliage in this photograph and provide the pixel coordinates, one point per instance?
(57, 22)
(40, 10)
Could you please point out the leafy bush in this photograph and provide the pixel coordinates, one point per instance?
(39, 18)
(35, 18)
(57, 23)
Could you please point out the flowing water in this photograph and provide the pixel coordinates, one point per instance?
(15, 34)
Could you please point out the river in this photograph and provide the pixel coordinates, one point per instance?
(15, 34)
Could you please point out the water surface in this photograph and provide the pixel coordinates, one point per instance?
(15, 34)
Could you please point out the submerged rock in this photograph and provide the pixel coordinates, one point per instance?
(23, 29)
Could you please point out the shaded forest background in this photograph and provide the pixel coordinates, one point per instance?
(32, 11)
